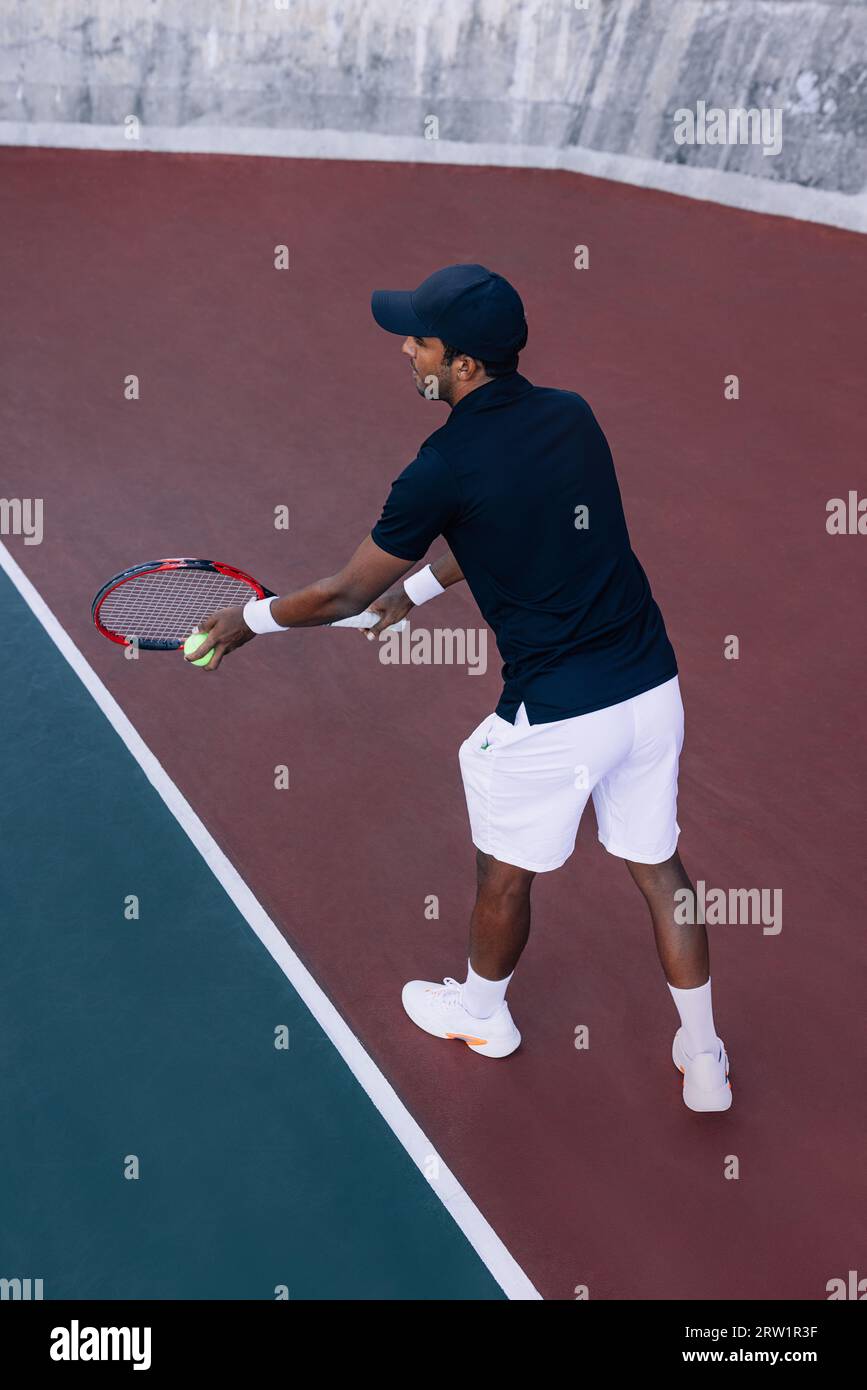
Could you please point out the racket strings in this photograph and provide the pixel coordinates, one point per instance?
(166, 605)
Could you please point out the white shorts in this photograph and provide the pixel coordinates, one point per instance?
(527, 784)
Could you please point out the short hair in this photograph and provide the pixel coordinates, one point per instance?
(504, 368)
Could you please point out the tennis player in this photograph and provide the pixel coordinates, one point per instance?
(520, 483)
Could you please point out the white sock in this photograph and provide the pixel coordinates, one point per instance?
(696, 1015)
(482, 997)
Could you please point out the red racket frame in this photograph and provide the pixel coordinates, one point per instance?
(155, 567)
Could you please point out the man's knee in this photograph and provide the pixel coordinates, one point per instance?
(650, 878)
(497, 879)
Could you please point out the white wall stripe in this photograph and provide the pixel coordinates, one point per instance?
(710, 185)
(461, 1208)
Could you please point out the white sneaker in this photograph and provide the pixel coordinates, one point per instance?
(706, 1084)
(439, 1011)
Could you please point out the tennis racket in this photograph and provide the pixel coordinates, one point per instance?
(158, 604)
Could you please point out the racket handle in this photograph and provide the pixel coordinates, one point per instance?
(368, 619)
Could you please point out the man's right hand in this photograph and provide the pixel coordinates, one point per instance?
(391, 607)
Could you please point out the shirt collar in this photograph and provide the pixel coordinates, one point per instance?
(498, 391)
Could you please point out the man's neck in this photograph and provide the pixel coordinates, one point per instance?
(461, 390)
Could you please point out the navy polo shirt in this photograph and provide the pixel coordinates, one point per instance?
(504, 482)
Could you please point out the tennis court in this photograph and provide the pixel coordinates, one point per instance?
(363, 1160)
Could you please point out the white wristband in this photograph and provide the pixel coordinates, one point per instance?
(423, 586)
(258, 616)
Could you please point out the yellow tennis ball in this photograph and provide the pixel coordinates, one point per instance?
(192, 644)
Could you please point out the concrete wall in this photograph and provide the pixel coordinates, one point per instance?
(529, 73)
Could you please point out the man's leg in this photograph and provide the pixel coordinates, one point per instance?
(496, 767)
(682, 949)
(499, 928)
(475, 1011)
(500, 924)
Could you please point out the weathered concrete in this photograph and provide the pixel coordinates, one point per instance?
(533, 73)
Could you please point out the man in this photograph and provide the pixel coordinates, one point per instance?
(520, 483)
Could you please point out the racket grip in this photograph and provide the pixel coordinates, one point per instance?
(368, 619)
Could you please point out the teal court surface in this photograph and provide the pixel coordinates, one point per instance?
(262, 1171)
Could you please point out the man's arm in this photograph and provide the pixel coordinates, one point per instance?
(447, 570)
(367, 574)
(341, 595)
(397, 603)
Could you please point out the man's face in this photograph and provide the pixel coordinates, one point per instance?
(431, 378)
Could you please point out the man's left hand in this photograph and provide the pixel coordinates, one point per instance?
(225, 630)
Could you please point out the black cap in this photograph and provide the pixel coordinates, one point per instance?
(467, 306)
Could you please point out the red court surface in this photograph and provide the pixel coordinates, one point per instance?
(261, 388)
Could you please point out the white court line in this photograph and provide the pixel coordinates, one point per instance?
(481, 1236)
(765, 195)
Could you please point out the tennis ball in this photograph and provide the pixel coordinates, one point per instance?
(193, 642)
